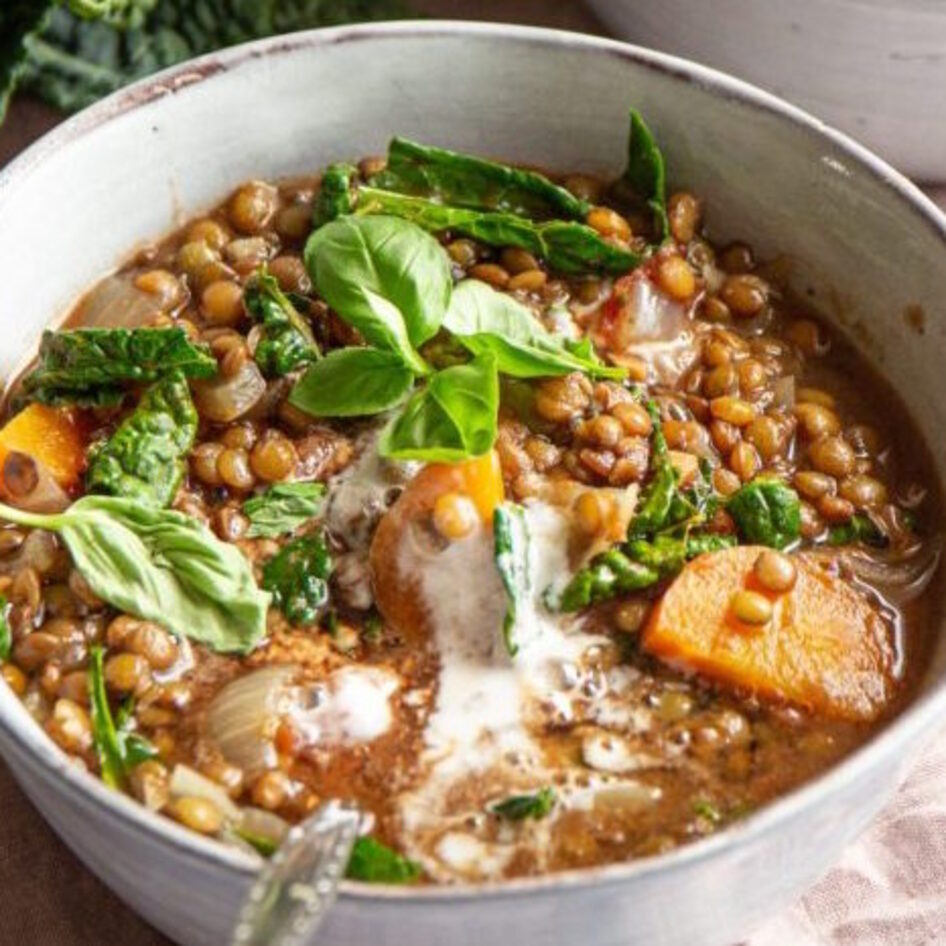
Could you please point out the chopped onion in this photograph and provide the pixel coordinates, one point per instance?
(187, 783)
(222, 400)
(783, 393)
(241, 716)
(116, 303)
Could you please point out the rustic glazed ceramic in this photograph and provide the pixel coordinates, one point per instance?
(860, 238)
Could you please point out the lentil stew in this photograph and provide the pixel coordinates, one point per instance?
(505, 504)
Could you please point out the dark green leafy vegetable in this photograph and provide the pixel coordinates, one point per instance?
(385, 277)
(335, 194)
(18, 20)
(483, 319)
(160, 565)
(297, 575)
(519, 807)
(119, 751)
(287, 341)
(610, 574)
(91, 366)
(766, 512)
(659, 493)
(144, 458)
(646, 173)
(376, 863)
(350, 382)
(511, 551)
(6, 635)
(463, 180)
(282, 508)
(666, 553)
(71, 62)
(859, 528)
(452, 418)
(566, 245)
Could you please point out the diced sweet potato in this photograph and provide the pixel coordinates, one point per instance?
(825, 649)
(51, 436)
(396, 593)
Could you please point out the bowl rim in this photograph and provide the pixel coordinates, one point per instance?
(917, 719)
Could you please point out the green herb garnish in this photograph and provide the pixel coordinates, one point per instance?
(519, 807)
(766, 512)
(511, 551)
(282, 508)
(297, 575)
(376, 863)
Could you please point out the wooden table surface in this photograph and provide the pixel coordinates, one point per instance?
(49, 898)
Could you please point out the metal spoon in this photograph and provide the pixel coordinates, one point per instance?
(294, 890)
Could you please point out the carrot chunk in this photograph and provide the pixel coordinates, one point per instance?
(825, 648)
(51, 436)
(396, 590)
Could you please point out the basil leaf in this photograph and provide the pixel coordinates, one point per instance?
(287, 340)
(350, 382)
(76, 366)
(283, 508)
(144, 458)
(160, 565)
(464, 180)
(385, 277)
(297, 575)
(511, 551)
(766, 512)
(646, 173)
(567, 246)
(335, 194)
(376, 863)
(485, 320)
(519, 807)
(452, 418)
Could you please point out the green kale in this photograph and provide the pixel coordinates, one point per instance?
(519, 807)
(766, 512)
(297, 576)
(376, 863)
(19, 19)
(608, 575)
(646, 173)
(144, 458)
(72, 62)
(6, 633)
(286, 342)
(658, 495)
(335, 194)
(859, 528)
(511, 552)
(463, 180)
(93, 366)
(566, 245)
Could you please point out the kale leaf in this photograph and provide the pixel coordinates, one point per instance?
(658, 495)
(144, 458)
(646, 173)
(511, 552)
(376, 863)
(609, 574)
(766, 512)
(566, 245)
(297, 575)
(463, 180)
(519, 807)
(859, 528)
(286, 342)
(91, 366)
(335, 194)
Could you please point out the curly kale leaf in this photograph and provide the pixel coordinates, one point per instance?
(144, 458)
(463, 180)
(298, 576)
(91, 366)
(71, 62)
(766, 512)
(19, 19)
(335, 194)
(287, 342)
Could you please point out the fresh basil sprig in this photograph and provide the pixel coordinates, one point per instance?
(646, 173)
(483, 319)
(385, 278)
(160, 565)
(453, 417)
(350, 382)
(283, 508)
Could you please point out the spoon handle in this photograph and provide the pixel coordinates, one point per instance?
(288, 901)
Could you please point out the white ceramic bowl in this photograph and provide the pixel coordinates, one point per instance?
(863, 240)
(874, 68)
